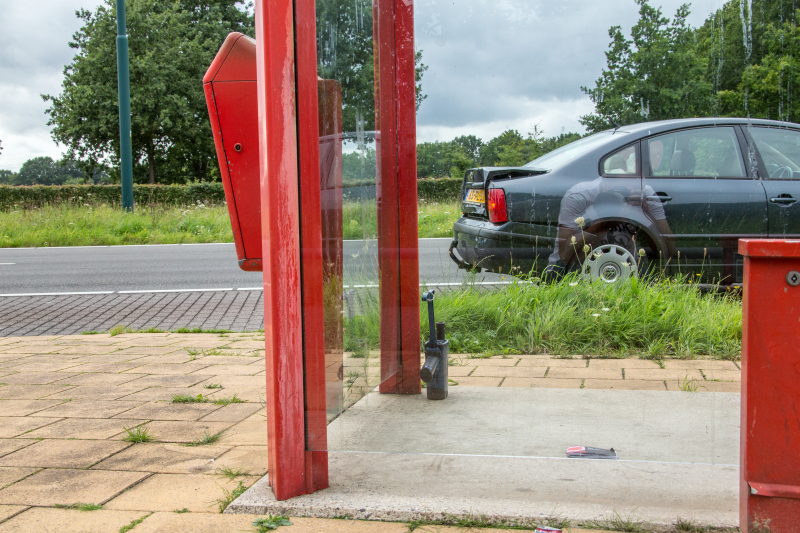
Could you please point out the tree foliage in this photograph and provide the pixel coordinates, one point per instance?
(171, 45)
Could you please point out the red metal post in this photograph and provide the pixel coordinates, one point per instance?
(770, 425)
(280, 231)
(396, 192)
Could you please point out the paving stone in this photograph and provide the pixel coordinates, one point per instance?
(56, 453)
(8, 446)
(150, 350)
(89, 409)
(7, 511)
(251, 460)
(10, 475)
(170, 381)
(230, 370)
(623, 363)
(30, 348)
(542, 383)
(113, 358)
(708, 386)
(554, 363)
(712, 375)
(169, 369)
(705, 364)
(30, 392)
(183, 432)
(661, 375)
(153, 394)
(177, 358)
(493, 361)
(170, 411)
(586, 373)
(478, 382)
(506, 371)
(624, 384)
(44, 520)
(65, 487)
(86, 349)
(250, 431)
(13, 426)
(84, 428)
(235, 412)
(26, 407)
(99, 380)
(113, 368)
(459, 371)
(165, 459)
(229, 360)
(167, 492)
(97, 393)
(33, 378)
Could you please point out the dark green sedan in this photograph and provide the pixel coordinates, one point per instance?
(670, 197)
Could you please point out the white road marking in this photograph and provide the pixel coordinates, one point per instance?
(7, 263)
(174, 290)
(57, 293)
(252, 289)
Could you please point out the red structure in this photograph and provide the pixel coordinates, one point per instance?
(770, 429)
(277, 129)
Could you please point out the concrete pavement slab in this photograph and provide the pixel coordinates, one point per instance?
(42, 520)
(479, 382)
(507, 371)
(9, 475)
(165, 459)
(182, 432)
(624, 384)
(98, 393)
(7, 511)
(55, 453)
(8, 446)
(26, 407)
(229, 370)
(696, 364)
(585, 373)
(172, 411)
(545, 383)
(89, 409)
(235, 412)
(112, 368)
(14, 426)
(164, 394)
(170, 381)
(30, 392)
(252, 460)
(722, 375)
(251, 431)
(169, 368)
(33, 378)
(65, 487)
(100, 380)
(662, 375)
(166, 492)
(84, 428)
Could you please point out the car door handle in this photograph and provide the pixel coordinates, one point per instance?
(783, 199)
(660, 196)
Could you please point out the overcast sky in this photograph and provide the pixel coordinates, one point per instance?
(493, 64)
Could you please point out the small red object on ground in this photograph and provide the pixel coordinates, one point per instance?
(770, 432)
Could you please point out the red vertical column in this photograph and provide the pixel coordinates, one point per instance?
(770, 423)
(280, 230)
(397, 197)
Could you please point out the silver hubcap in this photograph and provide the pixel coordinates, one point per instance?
(610, 263)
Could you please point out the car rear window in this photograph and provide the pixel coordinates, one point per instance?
(780, 150)
(567, 153)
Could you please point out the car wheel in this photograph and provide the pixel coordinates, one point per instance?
(609, 263)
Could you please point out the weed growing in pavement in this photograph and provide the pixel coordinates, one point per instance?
(181, 511)
(119, 329)
(192, 351)
(682, 524)
(212, 386)
(228, 401)
(80, 506)
(207, 438)
(270, 523)
(138, 434)
(688, 385)
(133, 524)
(617, 522)
(90, 333)
(151, 329)
(229, 496)
(187, 398)
(230, 473)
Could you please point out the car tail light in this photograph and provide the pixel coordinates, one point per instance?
(497, 206)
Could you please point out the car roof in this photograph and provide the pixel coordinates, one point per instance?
(649, 128)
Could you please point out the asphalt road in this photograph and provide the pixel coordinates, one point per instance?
(181, 267)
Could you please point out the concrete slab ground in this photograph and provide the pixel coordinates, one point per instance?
(502, 453)
(66, 402)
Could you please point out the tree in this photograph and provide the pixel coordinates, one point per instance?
(171, 45)
(7, 177)
(45, 171)
(655, 75)
(442, 159)
(472, 145)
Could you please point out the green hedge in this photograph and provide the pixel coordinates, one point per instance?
(26, 197)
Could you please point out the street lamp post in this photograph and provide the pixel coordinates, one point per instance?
(124, 80)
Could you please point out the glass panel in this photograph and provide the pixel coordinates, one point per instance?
(780, 150)
(701, 152)
(621, 162)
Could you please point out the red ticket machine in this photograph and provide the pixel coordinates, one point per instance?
(770, 430)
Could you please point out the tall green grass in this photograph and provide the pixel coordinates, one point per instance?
(74, 225)
(649, 318)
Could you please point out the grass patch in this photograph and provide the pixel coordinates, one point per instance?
(617, 522)
(207, 438)
(133, 524)
(80, 506)
(270, 523)
(649, 318)
(229, 496)
(120, 329)
(90, 333)
(478, 521)
(181, 511)
(212, 386)
(187, 398)
(228, 401)
(138, 434)
(231, 473)
(688, 385)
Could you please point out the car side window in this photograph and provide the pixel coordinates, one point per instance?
(780, 151)
(621, 163)
(698, 153)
